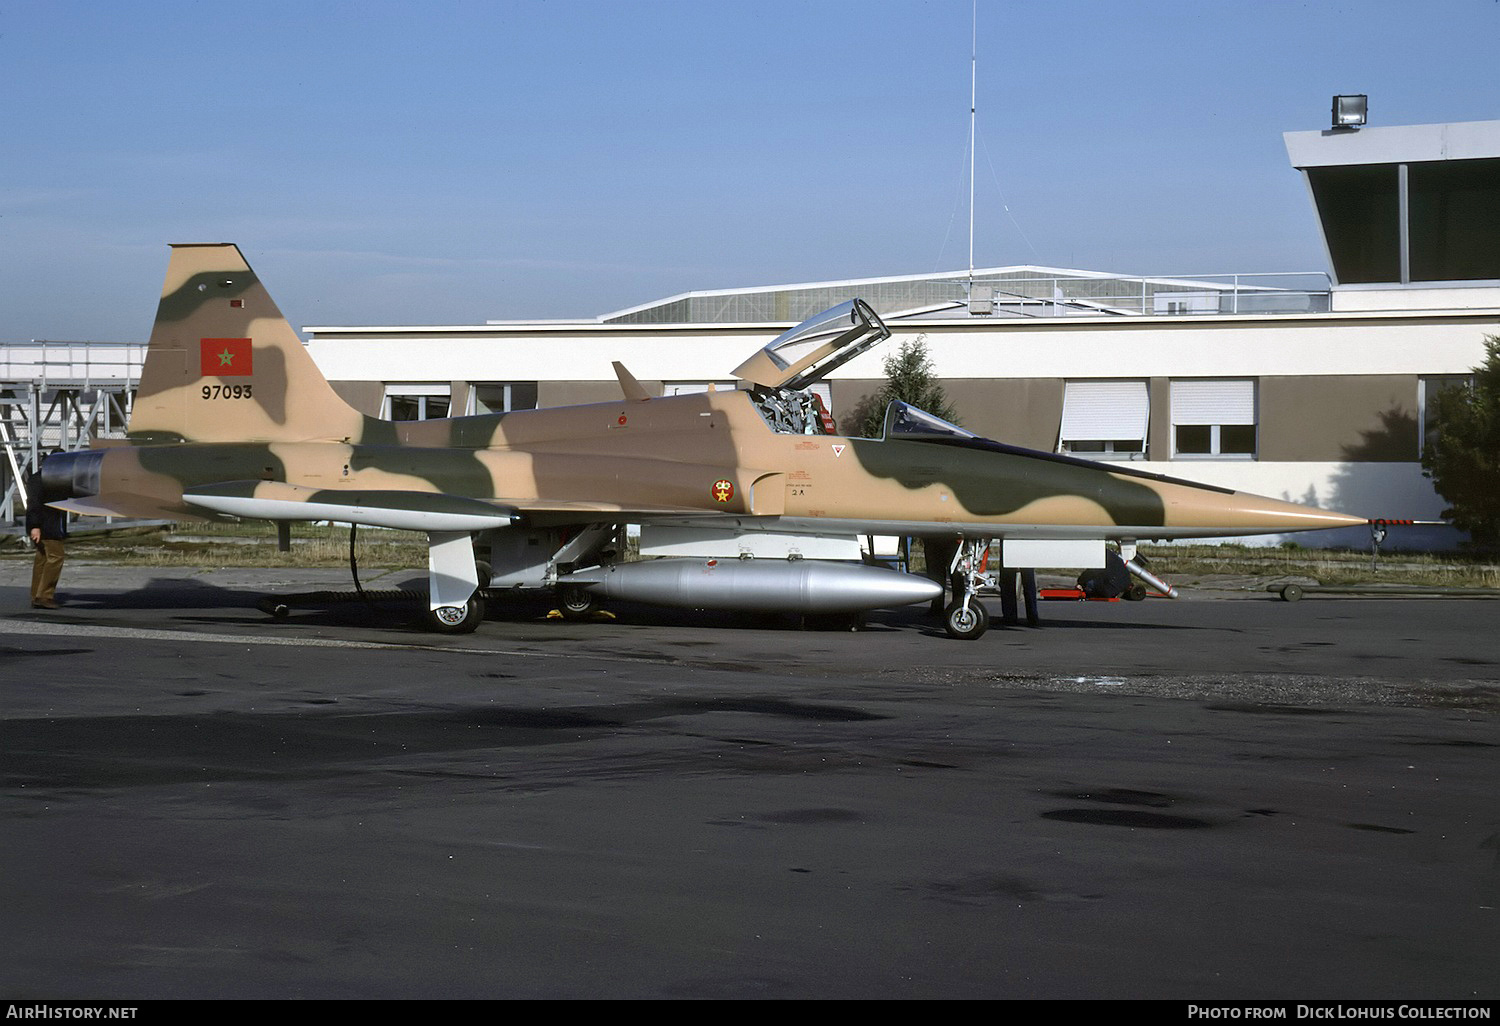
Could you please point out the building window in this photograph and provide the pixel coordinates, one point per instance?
(1454, 219)
(1213, 418)
(1105, 419)
(1428, 387)
(1361, 213)
(502, 396)
(415, 401)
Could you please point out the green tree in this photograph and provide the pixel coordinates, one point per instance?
(909, 378)
(1463, 456)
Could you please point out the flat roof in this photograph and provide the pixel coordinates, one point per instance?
(1395, 144)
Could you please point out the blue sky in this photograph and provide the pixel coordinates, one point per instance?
(452, 161)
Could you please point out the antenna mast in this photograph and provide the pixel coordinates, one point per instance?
(973, 81)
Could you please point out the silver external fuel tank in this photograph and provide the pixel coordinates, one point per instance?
(793, 586)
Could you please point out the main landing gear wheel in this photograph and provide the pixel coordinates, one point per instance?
(462, 619)
(576, 603)
(966, 623)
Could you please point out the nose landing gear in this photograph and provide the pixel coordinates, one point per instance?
(966, 618)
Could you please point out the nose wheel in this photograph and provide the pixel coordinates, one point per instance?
(965, 619)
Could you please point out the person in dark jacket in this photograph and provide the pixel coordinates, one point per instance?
(48, 530)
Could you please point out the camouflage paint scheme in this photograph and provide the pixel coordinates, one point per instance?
(207, 424)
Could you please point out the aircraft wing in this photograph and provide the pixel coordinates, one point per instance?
(609, 510)
(399, 508)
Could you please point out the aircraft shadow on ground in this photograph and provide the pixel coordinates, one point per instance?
(1048, 623)
(193, 600)
(157, 593)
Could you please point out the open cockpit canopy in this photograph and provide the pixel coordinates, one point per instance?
(820, 344)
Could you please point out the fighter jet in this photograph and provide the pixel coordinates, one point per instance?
(233, 419)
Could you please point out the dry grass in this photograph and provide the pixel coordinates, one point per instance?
(1329, 567)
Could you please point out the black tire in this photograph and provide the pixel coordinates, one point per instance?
(576, 603)
(1291, 593)
(966, 624)
(1135, 593)
(484, 572)
(462, 619)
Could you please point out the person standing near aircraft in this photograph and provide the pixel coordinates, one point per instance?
(48, 530)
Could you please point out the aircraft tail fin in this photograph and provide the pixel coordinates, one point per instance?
(223, 364)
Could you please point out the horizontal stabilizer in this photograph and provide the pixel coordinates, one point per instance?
(135, 507)
(402, 510)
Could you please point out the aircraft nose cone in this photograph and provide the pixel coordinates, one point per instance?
(1266, 514)
(1247, 513)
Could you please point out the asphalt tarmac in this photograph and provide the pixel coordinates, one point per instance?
(1223, 797)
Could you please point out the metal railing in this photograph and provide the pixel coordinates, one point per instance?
(1013, 293)
(81, 364)
(59, 395)
(1186, 295)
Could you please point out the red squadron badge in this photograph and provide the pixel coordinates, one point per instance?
(723, 490)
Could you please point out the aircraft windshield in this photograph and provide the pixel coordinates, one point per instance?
(903, 420)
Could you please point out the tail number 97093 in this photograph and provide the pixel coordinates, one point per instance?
(227, 392)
